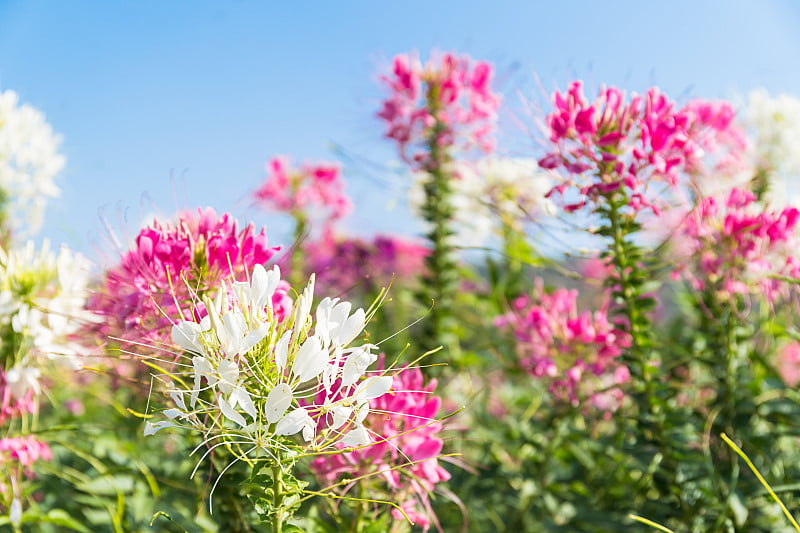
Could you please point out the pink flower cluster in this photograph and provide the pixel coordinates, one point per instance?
(158, 280)
(449, 98)
(10, 405)
(788, 364)
(578, 352)
(625, 145)
(24, 451)
(316, 188)
(737, 245)
(343, 265)
(404, 428)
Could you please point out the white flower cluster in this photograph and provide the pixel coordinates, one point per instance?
(257, 380)
(774, 123)
(29, 160)
(42, 297)
(490, 192)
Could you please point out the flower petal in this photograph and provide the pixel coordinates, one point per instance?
(278, 401)
(294, 422)
(311, 359)
(230, 413)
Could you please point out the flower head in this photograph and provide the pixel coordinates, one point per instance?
(612, 144)
(735, 246)
(490, 194)
(316, 189)
(157, 281)
(577, 353)
(250, 381)
(42, 297)
(29, 161)
(449, 99)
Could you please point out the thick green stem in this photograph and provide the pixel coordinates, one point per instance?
(440, 280)
(630, 298)
(294, 263)
(722, 325)
(277, 500)
(636, 320)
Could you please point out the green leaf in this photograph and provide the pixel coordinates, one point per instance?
(172, 526)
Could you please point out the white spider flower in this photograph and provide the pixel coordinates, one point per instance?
(490, 193)
(42, 297)
(254, 382)
(29, 162)
(774, 126)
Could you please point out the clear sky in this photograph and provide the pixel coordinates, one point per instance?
(166, 105)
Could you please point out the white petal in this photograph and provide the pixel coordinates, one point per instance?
(311, 359)
(278, 401)
(15, 512)
(282, 350)
(254, 337)
(356, 437)
(243, 398)
(186, 335)
(308, 432)
(352, 327)
(230, 413)
(329, 374)
(177, 397)
(229, 376)
(373, 387)
(293, 422)
(172, 414)
(232, 333)
(202, 368)
(357, 363)
(151, 428)
(303, 305)
(340, 414)
(361, 413)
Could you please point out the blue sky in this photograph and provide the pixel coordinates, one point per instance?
(167, 105)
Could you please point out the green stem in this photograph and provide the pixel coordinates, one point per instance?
(630, 294)
(277, 501)
(294, 262)
(627, 266)
(440, 280)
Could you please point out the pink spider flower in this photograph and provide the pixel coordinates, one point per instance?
(788, 364)
(11, 404)
(737, 246)
(447, 101)
(24, 451)
(157, 282)
(316, 188)
(404, 430)
(346, 264)
(17, 456)
(612, 144)
(577, 353)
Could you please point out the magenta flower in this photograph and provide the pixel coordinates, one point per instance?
(11, 405)
(344, 265)
(448, 98)
(788, 364)
(612, 144)
(577, 353)
(404, 430)
(24, 451)
(17, 456)
(157, 282)
(737, 246)
(315, 188)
